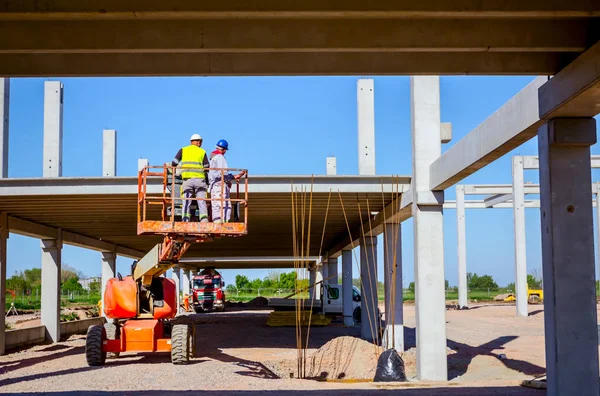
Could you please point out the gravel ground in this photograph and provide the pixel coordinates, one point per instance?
(235, 348)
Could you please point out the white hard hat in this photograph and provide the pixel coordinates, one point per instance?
(195, 136)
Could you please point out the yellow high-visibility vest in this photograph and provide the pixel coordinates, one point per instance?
(192, 158)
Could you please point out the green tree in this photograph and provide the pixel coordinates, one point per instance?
(95, 288)
(242, 282)
(230, 288)
(411, 287)
(475, 282)
(72, 285)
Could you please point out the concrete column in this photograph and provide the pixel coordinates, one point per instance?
(312, 279)
(331, 166)
(142, 162)
(109, 152)
(570, 320)
(4, 111)
(186, 281)
(347, 305)
(319, 278)
(428, 225)
(394, 314)
(332, 270)
(463, 299)
(369, 321)
(598, 225)
(520, 246)
(366, 127)
(109, 270)
(3, 243)
(177, 279)
(51, 267)
(53, 128)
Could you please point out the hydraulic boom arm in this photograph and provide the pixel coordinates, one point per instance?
(158, 260)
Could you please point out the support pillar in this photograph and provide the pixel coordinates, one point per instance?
(366, 126)
(598, 227)
(3, 244)
(428, 224)
(394, 313)
(369, 320)
(332, 270)
(176, 277)
(347, 305)
(109, 152)
(51, 267)
(4, 111)
(463, 299)
(570, 320)
(312, 279)
(53, 128)
(109, 270)
(520, 246)
(319, 278)
(331, 166)
(186, 282)
(142, 162)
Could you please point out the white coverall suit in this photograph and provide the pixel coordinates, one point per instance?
(219, 190)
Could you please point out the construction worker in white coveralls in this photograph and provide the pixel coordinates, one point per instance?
(217, 189)
(194, 161)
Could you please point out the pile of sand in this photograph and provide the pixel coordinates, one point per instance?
(341, 358)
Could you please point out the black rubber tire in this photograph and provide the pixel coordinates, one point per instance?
(198, 310)
(93, 346)
(111, 334)
(180, 344)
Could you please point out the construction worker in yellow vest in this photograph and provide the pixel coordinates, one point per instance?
(194, 161)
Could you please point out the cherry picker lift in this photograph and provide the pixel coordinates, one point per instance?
(141, 307)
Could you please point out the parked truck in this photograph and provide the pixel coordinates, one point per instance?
(208, 291)
(329, 301)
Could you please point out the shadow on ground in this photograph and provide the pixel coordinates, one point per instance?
(458, 363)
(391, 389)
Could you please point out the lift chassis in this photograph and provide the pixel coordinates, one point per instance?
(141, 308)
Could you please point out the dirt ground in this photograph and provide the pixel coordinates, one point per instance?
(490, 352)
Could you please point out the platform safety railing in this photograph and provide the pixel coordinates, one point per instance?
(170, 181)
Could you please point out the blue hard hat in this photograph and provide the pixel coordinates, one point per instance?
(223, 144)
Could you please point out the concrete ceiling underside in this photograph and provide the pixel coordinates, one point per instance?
(290, 37)
(112, 217)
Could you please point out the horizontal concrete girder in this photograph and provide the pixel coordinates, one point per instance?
(572, 92)
(35, 230)
(282, 64)
(135, 9)
(256, 184)
(293, 35)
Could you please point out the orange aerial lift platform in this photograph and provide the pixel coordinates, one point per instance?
(141, 307)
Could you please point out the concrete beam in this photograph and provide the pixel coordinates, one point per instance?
(4, 113)
(109, 152)
(570, 317)
(366, 126)
(428, 227)
(141, 9)
(331, 166)
(3, 257)
(292, 35)
(369, 321)
(446, 132)
(575, 90)
(53, 128)
(512, 125)
(520, 245)
(51, 270)
(347, 305)
(463, 298)
(280, 64)
(496, 199)
(109, 270)
(260, 184)
(532, 161)
(35, 230)
(142, 162)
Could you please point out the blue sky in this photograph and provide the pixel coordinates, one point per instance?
(274, 125)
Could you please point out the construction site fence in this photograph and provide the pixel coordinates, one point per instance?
(31, 299)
